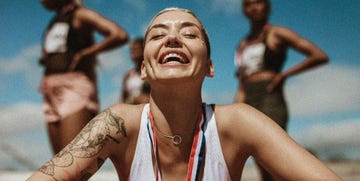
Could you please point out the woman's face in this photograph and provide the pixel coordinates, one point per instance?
(256, 10)
(175, 48)
(136, 52)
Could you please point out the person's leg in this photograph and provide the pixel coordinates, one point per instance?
(53, 129)
(66, 93)
(72, 125)
(274, 106)
(267, 103)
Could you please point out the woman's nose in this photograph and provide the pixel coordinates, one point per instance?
(173, 41)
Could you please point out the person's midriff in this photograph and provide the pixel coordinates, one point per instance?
(259, 76)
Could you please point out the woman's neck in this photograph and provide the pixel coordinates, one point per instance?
(177, 112)
(257, 32)
(258, 27)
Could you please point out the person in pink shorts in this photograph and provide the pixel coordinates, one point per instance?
(69, 59)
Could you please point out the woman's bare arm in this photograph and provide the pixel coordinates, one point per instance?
(314, 56)
(89, 20)
(277, 152)
(80, 159)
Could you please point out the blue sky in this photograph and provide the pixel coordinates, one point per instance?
(324, 103)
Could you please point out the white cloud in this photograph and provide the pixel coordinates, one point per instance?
(114, 60)
(226, 6)
(19, 117)
(327, 90)
(25, 64)
(24, 61)
(333, 139)
(139, 5)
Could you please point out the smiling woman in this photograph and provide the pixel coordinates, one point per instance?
(176, 135)
(201, 27)
(176, 43)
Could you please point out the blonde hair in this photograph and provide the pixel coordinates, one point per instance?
(207, 41)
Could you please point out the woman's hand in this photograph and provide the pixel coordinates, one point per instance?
(278, 80)
(75, 61)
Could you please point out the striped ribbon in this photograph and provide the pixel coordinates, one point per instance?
(197, 149)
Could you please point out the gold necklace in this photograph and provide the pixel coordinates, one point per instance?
(176, 139)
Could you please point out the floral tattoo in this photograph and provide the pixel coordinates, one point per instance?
(88, 143)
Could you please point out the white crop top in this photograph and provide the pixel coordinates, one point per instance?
(56, 38)
(215, 167)
(251, 59)
(134, 83)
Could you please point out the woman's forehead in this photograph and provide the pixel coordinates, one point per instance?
(175, 16)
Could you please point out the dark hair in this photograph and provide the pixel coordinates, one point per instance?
(267, 2)
(138, 39)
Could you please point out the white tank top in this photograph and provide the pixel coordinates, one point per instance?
(215, 167)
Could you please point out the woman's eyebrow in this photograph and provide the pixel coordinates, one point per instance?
(183, 24)
(187, 24)
(160, 25)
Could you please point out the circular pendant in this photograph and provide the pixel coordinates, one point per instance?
(176, 139)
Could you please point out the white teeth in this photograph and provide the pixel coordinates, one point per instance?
(173, 55)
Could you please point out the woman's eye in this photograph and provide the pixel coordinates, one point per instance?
(156, 37)
(190, 35)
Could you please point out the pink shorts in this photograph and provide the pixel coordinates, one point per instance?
(67, 93)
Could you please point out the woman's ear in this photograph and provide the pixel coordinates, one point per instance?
(143, 75)
(210, 69)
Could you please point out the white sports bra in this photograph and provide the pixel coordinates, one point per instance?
(251, 60)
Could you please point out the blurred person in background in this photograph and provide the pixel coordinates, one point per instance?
(70, 97)
(134, 89)
(260, 57)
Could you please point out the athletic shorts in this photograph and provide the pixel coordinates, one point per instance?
(67, 93)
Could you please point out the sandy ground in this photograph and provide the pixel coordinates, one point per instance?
(348, 170)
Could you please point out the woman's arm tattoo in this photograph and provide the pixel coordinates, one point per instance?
(89, 142)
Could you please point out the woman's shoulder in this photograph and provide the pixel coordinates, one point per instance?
(238, 120)
(276, 27)
(128, 111)
(86, 15)
(129, 115)
(241, 45)
(231, 109)
(230, 116)
(233, 122)
(280, 31)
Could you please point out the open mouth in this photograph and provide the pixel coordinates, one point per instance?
(174, 57)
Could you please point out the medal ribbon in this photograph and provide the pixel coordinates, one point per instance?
(197, 149)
